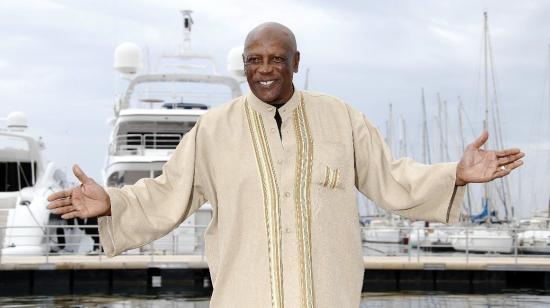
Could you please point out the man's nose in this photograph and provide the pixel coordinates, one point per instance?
(265, 68)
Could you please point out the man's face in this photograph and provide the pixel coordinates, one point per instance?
(269, 66)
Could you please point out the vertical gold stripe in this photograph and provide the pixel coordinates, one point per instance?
(271, 204)
(336, 173)
(327, 176)
(304, 162)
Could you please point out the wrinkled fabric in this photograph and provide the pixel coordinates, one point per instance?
(285, 229)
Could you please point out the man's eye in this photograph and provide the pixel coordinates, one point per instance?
(253, 60)
(278, 59)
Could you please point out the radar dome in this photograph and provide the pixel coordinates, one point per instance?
(235, 64)
(17, 121)
(128, 58)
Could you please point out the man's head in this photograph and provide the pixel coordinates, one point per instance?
(270, 60)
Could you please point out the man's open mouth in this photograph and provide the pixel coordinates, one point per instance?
(266, 83)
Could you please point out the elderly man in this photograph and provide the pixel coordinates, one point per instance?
(280, 167)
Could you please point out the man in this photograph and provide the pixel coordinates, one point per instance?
(280, 168)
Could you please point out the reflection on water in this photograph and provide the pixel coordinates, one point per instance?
(433, 300)
(370, 300)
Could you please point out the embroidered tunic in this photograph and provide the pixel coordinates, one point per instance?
(285, 228)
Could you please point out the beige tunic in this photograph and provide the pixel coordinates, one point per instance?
(285, 228)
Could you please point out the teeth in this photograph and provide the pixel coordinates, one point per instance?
(266, 83)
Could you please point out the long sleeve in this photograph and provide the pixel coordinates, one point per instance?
(404, 187)
(151, 208)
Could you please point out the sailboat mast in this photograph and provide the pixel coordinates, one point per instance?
(485, 94)
(440, 124)
(425, 138)
(548, 115)
(390, 130)
(463, 146)
(402, 137)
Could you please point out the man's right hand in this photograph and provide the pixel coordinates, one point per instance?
(84, 201)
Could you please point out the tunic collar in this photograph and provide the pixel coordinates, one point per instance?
(267, 109)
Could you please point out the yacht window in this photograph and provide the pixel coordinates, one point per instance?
(15, 176)
(155, 140)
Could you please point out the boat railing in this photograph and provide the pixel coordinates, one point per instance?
(415, 245)
(139, 144)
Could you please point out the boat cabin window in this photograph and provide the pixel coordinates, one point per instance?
(15, 176)
(18, 165)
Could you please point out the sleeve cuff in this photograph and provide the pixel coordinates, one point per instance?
(455, 204)
(106, 226)
(456, 196)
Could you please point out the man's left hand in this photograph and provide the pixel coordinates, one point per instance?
(480, 166)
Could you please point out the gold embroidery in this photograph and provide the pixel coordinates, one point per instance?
(327, 176)
(335, 176)
(304, 161)
(271, 204)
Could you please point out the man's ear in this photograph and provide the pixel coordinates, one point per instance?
(296, 63)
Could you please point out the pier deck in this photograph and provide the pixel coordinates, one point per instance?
(430, 262)
(154, 274)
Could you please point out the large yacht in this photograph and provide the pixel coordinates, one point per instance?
(155, 111)
(26, 225)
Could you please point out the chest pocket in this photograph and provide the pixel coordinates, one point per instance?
(328, 165)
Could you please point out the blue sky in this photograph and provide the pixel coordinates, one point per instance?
(56, 65)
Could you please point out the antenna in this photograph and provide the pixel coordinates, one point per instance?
(187, 23)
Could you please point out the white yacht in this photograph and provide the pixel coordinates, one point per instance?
(26, 180)
(385, 230)
(535, 234)
(430, 236)
(483, 239)
(155, 111)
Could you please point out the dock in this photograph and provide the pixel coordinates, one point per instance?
(188, 274)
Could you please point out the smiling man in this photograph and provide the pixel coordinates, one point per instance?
(280, 168)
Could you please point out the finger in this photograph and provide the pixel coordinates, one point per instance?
(63, 210)
(80, 175)
(508, 152)
(503, 161)
(60, 194)
(60, 203)
(481, 140)
(73, 214)
(514, 165)
(507, 169)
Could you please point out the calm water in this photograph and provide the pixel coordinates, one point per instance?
(370, 300)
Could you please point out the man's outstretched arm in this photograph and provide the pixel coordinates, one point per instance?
(419, 191)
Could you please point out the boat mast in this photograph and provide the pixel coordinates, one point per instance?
(548, 117)
(463, 146)
(486, 101)
(426, 156)
(389, 136)
(442, 156)
(402, 137)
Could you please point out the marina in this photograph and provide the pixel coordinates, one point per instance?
(160, 270)
(49, 261)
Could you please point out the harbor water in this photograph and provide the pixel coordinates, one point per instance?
(370, 300)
